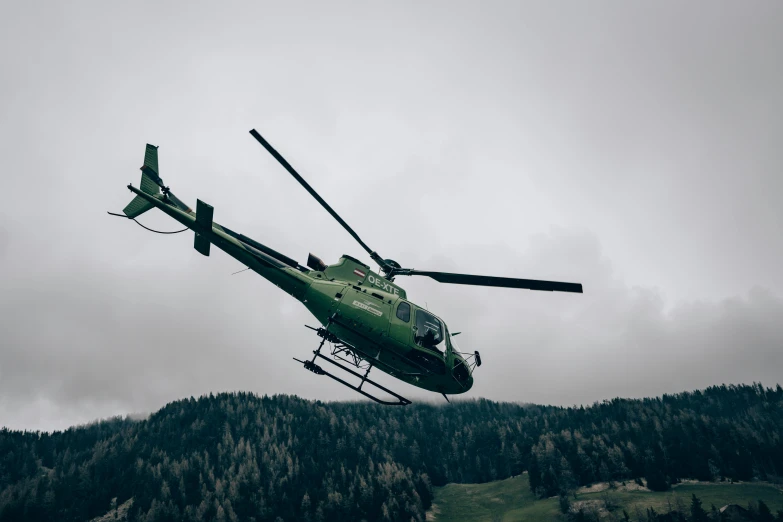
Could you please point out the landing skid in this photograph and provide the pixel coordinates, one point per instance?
(310, 365)
(318, 370)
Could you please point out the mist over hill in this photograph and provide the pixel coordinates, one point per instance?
(238, 456)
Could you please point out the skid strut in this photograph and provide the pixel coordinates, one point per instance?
(318, 370)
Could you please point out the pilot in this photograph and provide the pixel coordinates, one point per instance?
(428, 340)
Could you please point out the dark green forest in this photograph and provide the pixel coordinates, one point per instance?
(238, 456)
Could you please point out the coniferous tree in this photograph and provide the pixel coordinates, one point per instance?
(764, 513)
(697, 511)
(243, 457)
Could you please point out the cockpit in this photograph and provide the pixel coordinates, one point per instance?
(431, 333)
(428, 330)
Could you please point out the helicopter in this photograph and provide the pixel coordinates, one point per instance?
(364, 315)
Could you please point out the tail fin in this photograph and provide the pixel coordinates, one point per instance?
(149, 183)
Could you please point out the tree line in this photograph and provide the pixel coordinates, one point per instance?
(238, 456)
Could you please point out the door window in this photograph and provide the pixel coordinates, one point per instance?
(404, 311)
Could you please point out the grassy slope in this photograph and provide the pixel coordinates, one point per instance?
(510, 500)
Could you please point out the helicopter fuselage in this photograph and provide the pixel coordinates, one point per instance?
(374, 315)
(363, 309)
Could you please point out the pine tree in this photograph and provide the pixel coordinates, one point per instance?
(565, 503)
(764, 514)
(697, 512)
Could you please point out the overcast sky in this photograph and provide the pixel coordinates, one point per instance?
(634, 147)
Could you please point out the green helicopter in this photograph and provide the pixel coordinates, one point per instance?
(366, 318)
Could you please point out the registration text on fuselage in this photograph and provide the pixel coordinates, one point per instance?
(382, 284)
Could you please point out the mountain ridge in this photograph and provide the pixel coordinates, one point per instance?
(240, 456)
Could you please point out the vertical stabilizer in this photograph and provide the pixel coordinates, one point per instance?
(149, 183)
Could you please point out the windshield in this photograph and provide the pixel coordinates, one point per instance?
(429, 329)
(450, 342)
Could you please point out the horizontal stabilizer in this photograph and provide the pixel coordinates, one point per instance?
(201, 244)
(204, 215)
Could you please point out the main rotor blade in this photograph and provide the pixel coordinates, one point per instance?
(504, 282)
(313, 193)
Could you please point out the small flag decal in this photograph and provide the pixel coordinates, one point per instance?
(359, 273)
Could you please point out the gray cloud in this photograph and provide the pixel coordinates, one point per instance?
(85, 340)
(634, 149)
(615, 340)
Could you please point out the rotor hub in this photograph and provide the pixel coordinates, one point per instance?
(392, 263)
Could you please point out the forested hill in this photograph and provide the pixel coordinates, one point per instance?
(243, 457)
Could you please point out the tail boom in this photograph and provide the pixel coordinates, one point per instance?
(289, 278)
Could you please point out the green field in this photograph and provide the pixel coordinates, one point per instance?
(511, 500)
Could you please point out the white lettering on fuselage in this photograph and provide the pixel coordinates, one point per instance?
(367, 307)
(383, 285)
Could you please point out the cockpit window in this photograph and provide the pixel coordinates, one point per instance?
(429, 329)
(404, 311)
(450, 342)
